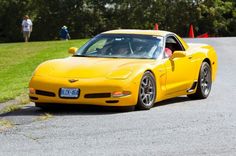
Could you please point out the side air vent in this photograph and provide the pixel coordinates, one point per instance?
(45, 93)
(98, 95)
(194, 85)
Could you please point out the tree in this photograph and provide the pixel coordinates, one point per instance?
(86, 18)
(11, 14)
(217, 17)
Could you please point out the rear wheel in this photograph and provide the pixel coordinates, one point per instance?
(147, 91)
(204, 83)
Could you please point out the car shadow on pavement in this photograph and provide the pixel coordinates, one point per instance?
(172, 101)
(63, 110)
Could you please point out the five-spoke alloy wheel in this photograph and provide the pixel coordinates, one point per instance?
(147, 91)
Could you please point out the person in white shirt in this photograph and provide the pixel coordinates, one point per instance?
(27, 27)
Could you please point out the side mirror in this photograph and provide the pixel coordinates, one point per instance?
(178, 54)
(72, 50)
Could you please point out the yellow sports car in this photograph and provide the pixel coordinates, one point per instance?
(126, 68)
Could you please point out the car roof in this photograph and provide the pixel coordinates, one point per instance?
(138, 32)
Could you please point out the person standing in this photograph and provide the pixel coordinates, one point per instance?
(64, 33)
(27, 27)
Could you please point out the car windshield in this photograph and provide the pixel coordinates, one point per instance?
(122, 46)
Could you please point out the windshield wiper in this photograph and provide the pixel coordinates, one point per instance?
(83, 56)
(96, 56)
(115, 57)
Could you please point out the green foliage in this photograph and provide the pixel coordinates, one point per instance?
(217, 17)
(86, 18)
(11, 13)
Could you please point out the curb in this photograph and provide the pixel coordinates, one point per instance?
(11, 103)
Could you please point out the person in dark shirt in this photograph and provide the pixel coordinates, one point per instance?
(64, 33)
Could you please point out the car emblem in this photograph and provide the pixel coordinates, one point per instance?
(73, 80)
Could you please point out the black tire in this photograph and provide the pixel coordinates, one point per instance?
(147, 92)
(204, 82)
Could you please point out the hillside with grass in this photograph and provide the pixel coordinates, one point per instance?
(19, 60)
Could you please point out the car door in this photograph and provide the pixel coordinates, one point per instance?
(179, 70)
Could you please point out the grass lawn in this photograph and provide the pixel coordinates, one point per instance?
(18, 61)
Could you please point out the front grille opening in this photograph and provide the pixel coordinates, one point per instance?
(33, 98)
(112, 101)
(98, 95)
(45, 93)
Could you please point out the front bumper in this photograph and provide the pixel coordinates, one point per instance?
(95, 86)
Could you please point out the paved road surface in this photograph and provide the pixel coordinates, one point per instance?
(174, 127)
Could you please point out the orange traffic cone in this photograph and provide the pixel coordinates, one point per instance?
(191, 32)
(156, 26)
(203, 36)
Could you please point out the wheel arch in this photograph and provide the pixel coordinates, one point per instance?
(207, 60)
(149, 70)
(198, 66)
(212, 67)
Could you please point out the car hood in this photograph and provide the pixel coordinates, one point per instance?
(90, 67)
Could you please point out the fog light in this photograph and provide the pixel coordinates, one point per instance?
(31, 90)
(121, 93)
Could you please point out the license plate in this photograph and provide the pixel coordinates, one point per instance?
(69, 93)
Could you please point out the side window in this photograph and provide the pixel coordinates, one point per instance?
(172, 45)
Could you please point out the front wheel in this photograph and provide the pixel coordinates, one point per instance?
(147, 91)
(204, 83)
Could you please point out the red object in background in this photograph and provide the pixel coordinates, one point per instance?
(156, 26)
(203, 36)
(191, 32)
